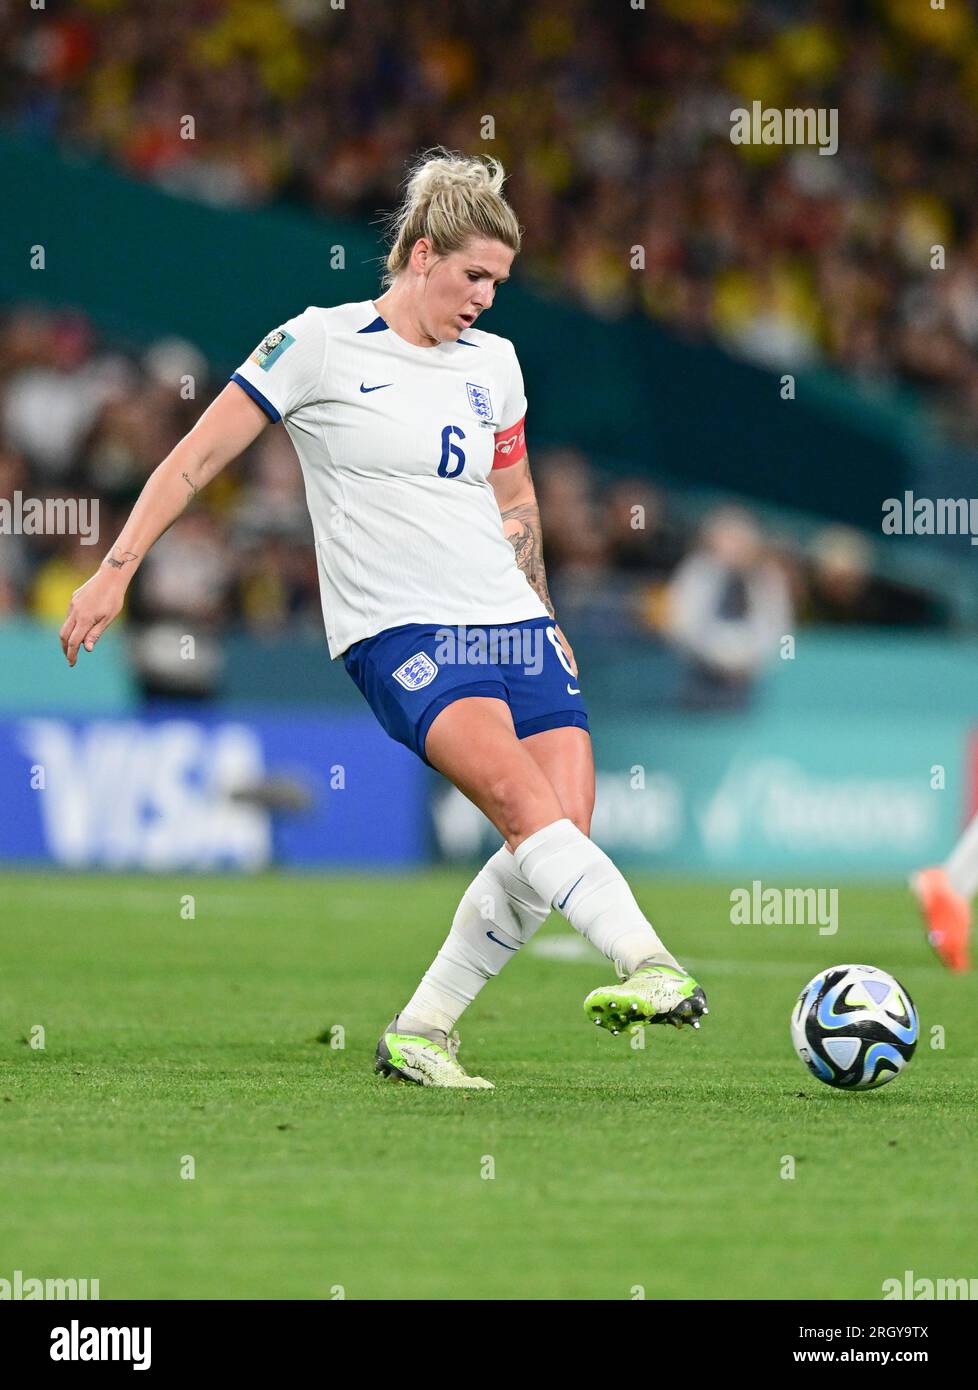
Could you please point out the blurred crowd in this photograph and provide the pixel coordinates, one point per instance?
(82, 419)
(615, 123)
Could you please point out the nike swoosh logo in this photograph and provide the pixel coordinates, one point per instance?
(365, 389)
(573, 689)
(560, 906)
(501, 943)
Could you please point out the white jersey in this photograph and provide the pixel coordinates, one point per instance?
(396, 443)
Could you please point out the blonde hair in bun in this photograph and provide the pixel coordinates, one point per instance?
(449, 198)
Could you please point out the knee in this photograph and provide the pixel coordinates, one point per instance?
(579, 810)
(516, 804)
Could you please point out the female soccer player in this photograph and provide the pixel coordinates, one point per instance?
(409, 425)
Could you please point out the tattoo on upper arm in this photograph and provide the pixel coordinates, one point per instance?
(521, 527)
(118, 561)
(190, 483)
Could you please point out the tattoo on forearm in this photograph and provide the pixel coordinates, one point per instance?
(190, 483)
(119, 561)
(521, 526)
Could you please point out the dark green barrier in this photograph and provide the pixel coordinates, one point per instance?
(144, 263)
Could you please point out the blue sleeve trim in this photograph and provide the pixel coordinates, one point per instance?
(256, 396)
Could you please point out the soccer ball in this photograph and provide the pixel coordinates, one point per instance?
(854, 1027)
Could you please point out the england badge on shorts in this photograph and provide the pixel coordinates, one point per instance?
(479, 400)
(417, 672)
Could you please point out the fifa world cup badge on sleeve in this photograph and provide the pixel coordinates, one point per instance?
(416, 673)
(270, 349)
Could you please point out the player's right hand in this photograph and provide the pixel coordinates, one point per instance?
(92, 608)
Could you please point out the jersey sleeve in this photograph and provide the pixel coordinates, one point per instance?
(511, 439)
(284, 371)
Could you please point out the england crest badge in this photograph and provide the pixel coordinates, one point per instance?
(417, 672)
(479, 400)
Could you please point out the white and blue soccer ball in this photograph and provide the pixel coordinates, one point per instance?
(854, 1027)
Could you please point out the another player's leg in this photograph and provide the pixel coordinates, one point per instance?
(473, 743)
(944, 893)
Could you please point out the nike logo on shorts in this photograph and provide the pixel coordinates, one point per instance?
(365, 389)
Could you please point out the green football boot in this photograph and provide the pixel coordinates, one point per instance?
(651, 994)
(424, 1061)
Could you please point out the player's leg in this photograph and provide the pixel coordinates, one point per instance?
(500, 911)
(469, 734)
(474, 744)
(961, 865)
(944, 893)
(396, 672)
(566, 756)
(498, 914)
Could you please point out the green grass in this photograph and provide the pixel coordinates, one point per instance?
(614, 1167)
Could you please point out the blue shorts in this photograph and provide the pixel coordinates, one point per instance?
(409, 674)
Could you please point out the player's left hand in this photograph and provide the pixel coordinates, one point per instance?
(568, 650)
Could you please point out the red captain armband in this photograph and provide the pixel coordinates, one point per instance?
(510, 445)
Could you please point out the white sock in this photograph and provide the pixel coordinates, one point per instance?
(569, 871)
(498, 900)
(961, 865)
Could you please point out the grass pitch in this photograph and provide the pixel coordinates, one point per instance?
(169, 1039)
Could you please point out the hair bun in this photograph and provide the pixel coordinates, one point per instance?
(448, 198)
